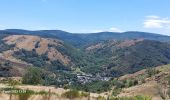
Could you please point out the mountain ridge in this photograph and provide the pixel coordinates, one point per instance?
(80, 40)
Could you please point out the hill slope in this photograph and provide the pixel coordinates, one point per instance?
(48, 53)
(108, 58)
(121, 57)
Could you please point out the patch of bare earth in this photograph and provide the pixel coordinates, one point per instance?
(40, 45)
(92, 47)
(128, 43)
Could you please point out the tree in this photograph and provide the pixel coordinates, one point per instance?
(33, 76)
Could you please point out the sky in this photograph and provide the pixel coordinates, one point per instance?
(86, 16)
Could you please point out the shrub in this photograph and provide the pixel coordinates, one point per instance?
(71, 94)
(116, 91)
(119, 84)
(131, 82)
(151, 71)
(13, 83)
(33, 76)
(101, 98)
(85, 94)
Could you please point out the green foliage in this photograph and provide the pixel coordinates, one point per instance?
(119, 61)
(101, 98)
(95, 86)
(71, 94)
(57, 65)
(42, 92)
(31, 57)
(40, 60)
(131, 82)
(85, 62)
(85, 94)
(151, 71)
(37, 44)
(5, 69)
(116, 91)
(119, 84)
(4, 46)
(13, 83)
(33, 76)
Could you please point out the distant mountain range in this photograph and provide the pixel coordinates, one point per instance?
(80, 40)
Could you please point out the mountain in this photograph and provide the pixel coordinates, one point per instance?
(129, 56)
(81, 40)
(47, 53)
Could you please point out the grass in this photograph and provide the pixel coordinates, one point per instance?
(138, 97)
(101, 98)
(85, 94)
(71, 94)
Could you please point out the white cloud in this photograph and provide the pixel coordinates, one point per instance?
(96, 31)
(156, 22)
(113, 29)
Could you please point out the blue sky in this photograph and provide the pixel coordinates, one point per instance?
(84, 16)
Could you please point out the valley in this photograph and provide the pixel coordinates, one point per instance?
(97, 65)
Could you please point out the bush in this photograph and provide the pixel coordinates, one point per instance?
(13, 83)
(71, 94)
(119, 84)
(151, 71)
(131, 82)
(116, 91)
(101, 98)
(85, 94)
